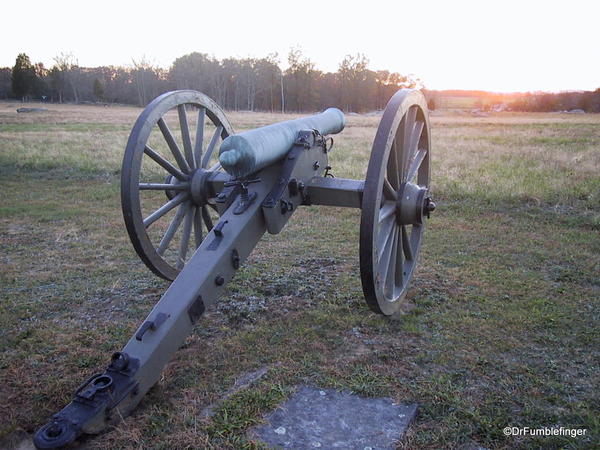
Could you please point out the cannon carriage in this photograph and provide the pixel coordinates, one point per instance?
(194, 218)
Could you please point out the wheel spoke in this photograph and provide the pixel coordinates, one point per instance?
(407, 133)
(415, 238)
(399, 273)
(166, 240)
(162, 187)
(199, 136)
(384, 259)
(178, 199)
(387, 210)
(406, 244)
(164, 129)
(390, 268)
(385, 234)
(157, 158)
(207, 219)
(198, 226)
(388, 191)
(211, 146)
(185, 237)
(412, 150)
(415, 164)
(416, 136)
(393, 170)
(185, 136)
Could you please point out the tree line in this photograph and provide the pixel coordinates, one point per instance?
(253, 84)
(588, 101)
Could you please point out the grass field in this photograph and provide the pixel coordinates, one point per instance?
(500, 327)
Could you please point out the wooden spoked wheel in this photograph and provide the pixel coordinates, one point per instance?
(395, 201)
(169, 157)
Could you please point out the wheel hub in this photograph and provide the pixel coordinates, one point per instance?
(196, 187)
(413, 204)
(199, 186)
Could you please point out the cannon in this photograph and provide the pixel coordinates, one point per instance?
(220, 203)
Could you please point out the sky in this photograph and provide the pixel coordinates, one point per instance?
(501, 46)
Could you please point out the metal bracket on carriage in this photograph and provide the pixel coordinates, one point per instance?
(246, 197)
(93, 404)
(226, 197)
(304, 161)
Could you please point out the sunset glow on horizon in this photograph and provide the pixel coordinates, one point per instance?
(506, 46)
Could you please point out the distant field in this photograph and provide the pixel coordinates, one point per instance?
(458, 102)
(500, 328)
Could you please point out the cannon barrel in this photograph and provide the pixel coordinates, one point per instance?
(245, 153)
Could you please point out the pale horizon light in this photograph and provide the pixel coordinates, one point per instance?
(501, 46)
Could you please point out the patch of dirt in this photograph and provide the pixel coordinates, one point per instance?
(278, 296)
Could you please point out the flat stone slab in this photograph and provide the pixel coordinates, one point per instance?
(28, 110)
(326, 418)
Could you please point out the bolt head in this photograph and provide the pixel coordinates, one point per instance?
(430, 206)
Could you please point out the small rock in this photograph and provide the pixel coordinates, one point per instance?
(17, 440)
(280, 430)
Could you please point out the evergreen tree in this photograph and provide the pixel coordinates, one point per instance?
(23, 77)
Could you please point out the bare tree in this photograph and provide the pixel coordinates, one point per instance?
(66, 74)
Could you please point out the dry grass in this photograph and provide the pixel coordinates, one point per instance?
(501, 327)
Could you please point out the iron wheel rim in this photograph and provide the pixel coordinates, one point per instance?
(385, 246)
(137, 149)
